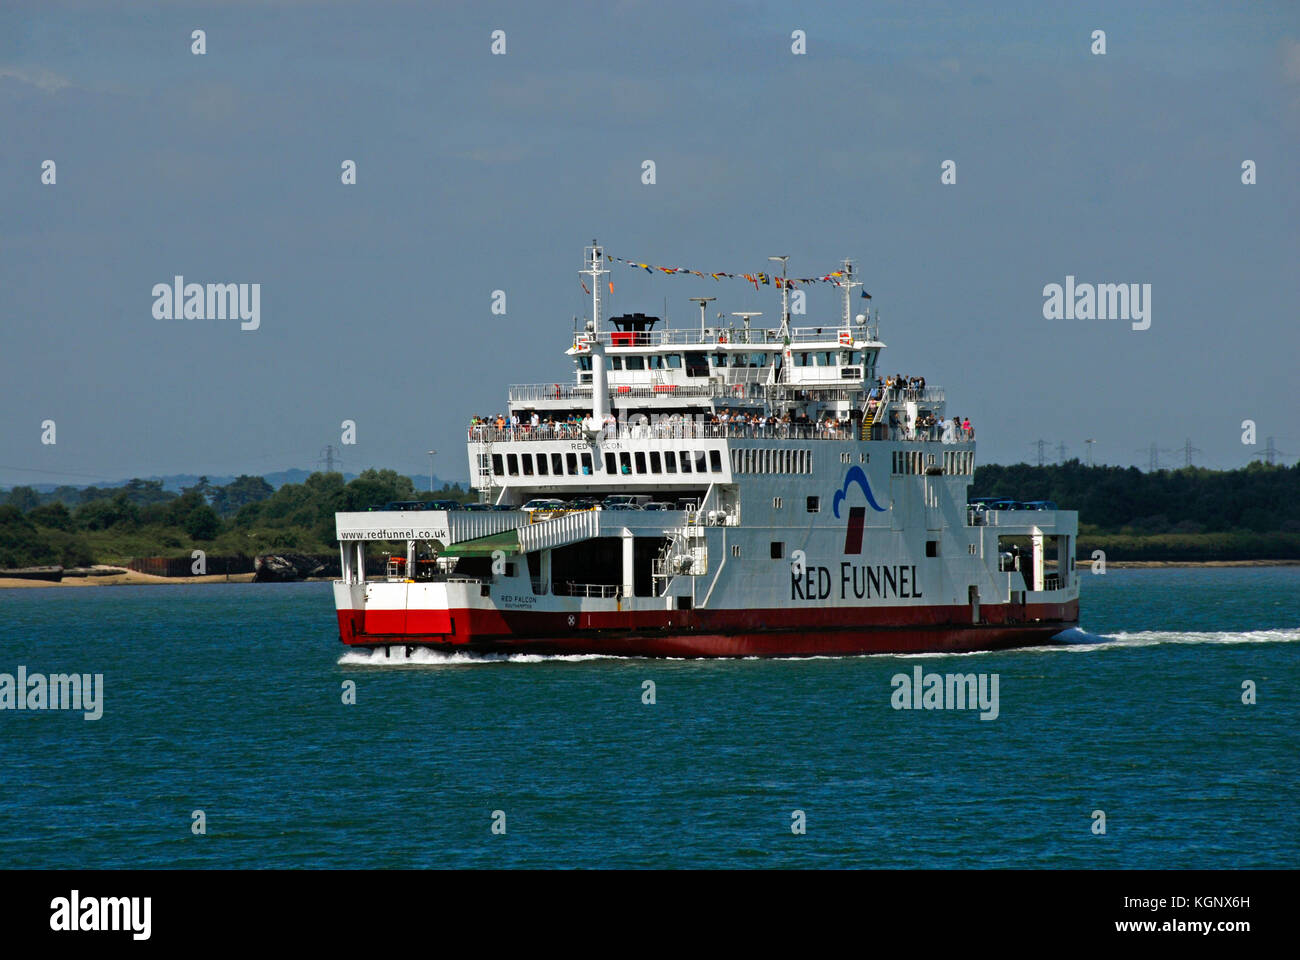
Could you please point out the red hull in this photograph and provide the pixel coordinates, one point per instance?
(782, 632)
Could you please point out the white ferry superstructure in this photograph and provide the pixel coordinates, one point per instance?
(769, 499)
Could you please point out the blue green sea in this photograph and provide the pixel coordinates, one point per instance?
(229, 699)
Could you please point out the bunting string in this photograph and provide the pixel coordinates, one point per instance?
(760, 278)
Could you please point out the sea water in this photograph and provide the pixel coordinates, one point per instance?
(1129, 746)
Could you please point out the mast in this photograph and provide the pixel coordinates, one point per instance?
(599, 391)
(785, 297)
(594, 255)
(848, 283)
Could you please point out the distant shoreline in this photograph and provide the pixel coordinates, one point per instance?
(134, 578)
(1121, 564)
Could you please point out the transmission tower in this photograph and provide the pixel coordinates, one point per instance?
(1188, 450)
(328, 456)
(1270, 453)
(1060, 452)
(1042, 445)
(1090, 441)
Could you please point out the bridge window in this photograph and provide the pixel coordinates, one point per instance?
(715, 461)
(639, 459)
(655, 465)
(557, 464)
(686, 461)
(719, 359)
(697, 364)
(673, 360)
(512, 465)
(699, 462)
(611, 464)
(528, 463)
(586, 463)
(615, 363)
(571, 462)
(634, 363)
(584, 363)
(670, 462)
(625, 462)
(541, 464)
(497, 467)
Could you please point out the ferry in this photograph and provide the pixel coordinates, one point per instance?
(731, 490)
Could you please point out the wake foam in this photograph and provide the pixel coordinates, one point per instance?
(425, 657)
(1073, 640)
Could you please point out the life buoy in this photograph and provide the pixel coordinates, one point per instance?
(846, 338)
(722, 338)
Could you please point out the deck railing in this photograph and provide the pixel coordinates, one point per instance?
(603, 590)
(693, 430)
(740, 385)
(710, 337)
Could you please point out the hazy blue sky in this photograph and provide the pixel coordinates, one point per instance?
(478, 172)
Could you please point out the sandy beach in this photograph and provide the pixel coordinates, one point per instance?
(124, 576)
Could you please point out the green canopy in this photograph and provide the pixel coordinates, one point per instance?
(507, 543)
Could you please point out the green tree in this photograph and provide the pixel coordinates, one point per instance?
(239, 493)
(23, 499)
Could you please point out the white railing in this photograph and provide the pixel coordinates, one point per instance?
(731, 336)
(740, 387)
(686, 429)
(603, 590)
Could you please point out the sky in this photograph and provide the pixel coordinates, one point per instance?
(478, 172)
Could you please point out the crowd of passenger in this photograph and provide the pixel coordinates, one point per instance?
(723, 423)
(898, 387)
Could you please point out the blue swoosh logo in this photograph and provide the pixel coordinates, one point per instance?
(854, 475)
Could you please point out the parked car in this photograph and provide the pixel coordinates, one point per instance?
(659, 505)
(543, 504)
(623, 506)
(615, 499)
(480, 506)
(1039, 505)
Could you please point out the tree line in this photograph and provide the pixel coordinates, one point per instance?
(1194, 513)
(79, 526)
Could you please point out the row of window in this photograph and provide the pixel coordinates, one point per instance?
(911, 461)
(959, 461)
(576, 464)
(915, 461)
(771, 461)
(673, 361)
